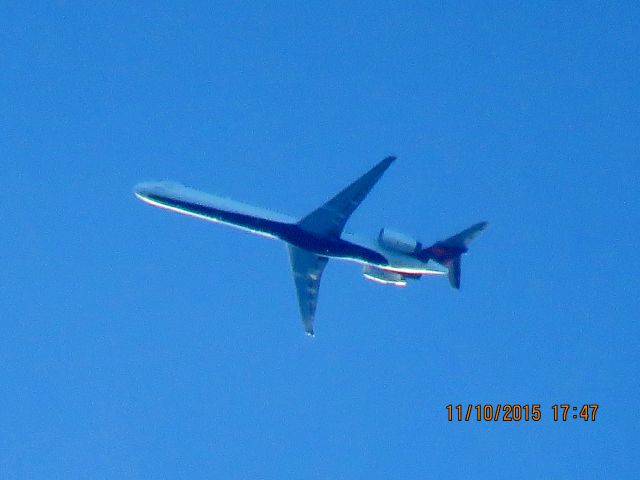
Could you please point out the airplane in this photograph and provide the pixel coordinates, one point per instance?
(391, 259)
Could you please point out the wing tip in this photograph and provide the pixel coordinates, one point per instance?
(308, 327)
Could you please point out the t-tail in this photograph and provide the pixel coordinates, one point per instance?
(448, 252)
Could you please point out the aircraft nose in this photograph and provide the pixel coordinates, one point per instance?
(142, 189)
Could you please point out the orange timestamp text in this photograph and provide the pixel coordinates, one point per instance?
(516, 412)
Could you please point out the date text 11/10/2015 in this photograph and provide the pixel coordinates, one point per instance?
(516, 412)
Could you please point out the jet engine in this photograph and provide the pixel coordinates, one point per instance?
(383, 276)
(398, 242)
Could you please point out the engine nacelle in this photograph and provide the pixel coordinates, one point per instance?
(383, 276)
(398, 242)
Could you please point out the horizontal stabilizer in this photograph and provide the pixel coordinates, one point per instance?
(464, 238)
(448, 252)
(454, 272)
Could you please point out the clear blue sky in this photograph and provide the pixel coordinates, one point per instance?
(136, 343)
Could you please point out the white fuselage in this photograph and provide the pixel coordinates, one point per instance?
(349, 247)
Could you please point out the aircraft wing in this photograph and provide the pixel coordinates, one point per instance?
(307, 270)
(329, 220)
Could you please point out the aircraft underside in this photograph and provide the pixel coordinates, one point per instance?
(391, 259)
